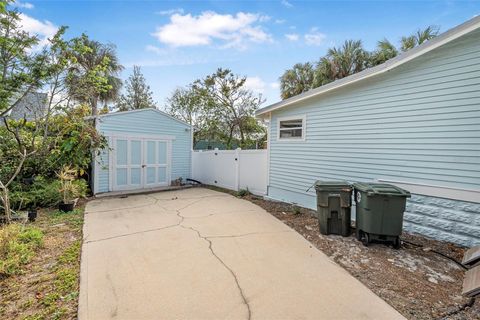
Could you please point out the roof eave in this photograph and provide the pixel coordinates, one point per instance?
(444, 38)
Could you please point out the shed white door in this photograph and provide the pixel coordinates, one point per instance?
(140, 163)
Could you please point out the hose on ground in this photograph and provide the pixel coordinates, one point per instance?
(466, 305)
(439, 253)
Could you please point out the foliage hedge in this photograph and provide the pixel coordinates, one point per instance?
(42, 193)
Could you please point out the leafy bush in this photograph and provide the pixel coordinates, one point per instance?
(243, 193)
(42, 193)
(17, 247)
(296, 209)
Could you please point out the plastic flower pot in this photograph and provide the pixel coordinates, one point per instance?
(66, 207)
(32, 215)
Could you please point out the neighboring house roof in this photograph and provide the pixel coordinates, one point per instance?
(32, 106)
(444, 38)
(121, 113)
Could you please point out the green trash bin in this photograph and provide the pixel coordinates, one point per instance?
(334, 201)
(379, 212)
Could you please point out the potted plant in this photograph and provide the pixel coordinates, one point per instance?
(68, 189)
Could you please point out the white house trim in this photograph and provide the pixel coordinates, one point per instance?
(135, 111)
(437, 191)
(446, 37)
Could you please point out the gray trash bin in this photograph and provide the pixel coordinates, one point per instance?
(333, 207)
(380, 208)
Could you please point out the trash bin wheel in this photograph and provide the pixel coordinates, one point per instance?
(358, 234)
(397, 243)
(365, 239)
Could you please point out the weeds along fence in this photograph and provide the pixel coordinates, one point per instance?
(232, 169)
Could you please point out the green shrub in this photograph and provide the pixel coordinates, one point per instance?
(43, 193)
(243, 193)
(296, 209)
(17, 247)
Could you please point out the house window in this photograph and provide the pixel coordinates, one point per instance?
(291, 128)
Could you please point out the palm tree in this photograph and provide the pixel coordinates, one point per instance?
(296, 80)
(93, 77)
(385, 51)
(348, 59)
(418, 37)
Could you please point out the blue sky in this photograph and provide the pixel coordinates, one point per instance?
(176, 42)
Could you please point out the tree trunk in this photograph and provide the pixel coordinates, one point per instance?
(229, 141)
(94, 106)
(4, 196)
(242, 136)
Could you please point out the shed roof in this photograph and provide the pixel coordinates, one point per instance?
(122, 113)
(446, 37)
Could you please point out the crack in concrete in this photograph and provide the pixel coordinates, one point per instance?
(242, 294)
(199, 197)
(221, 213)
(205, 238)
(247, 234)
(133, 233)
(178, 213)
(128, 208)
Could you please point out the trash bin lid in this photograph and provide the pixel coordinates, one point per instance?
(383, 189)
(333, 185)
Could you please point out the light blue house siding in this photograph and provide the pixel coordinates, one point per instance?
(418, 123)
(145, 123)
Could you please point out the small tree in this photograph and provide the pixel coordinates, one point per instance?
(22, 71)
(230, 103)
(138, 94)
(186, 104)
(220, 107)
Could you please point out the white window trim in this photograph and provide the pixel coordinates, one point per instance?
(303, 117)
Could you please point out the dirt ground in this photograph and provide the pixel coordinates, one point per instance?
(417, 282)
(48, 286)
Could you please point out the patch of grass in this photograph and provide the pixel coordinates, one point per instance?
(50, 299)
(74, 218)
(48, 287)
(243, 193)
(17, 247)
(71, 254)
(296, 209)
(66, 280)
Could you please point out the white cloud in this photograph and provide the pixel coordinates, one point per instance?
(280, 21)
(256, 84)
(167, 57)
(274, 85)
(170, 12)
(155, 49)
(314, 37)
(292, 36)
(232, 30)
(264, 18)
(167, 61)
(23, 5)
(287, 4)
(43, 29)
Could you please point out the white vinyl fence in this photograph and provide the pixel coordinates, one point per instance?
(232, 169)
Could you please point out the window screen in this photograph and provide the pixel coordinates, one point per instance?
(291, 129)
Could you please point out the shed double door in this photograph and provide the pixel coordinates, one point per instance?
(140, 163)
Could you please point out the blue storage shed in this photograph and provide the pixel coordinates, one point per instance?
(413, 121)
(148, 149)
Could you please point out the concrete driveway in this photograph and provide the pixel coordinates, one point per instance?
(201, 254)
